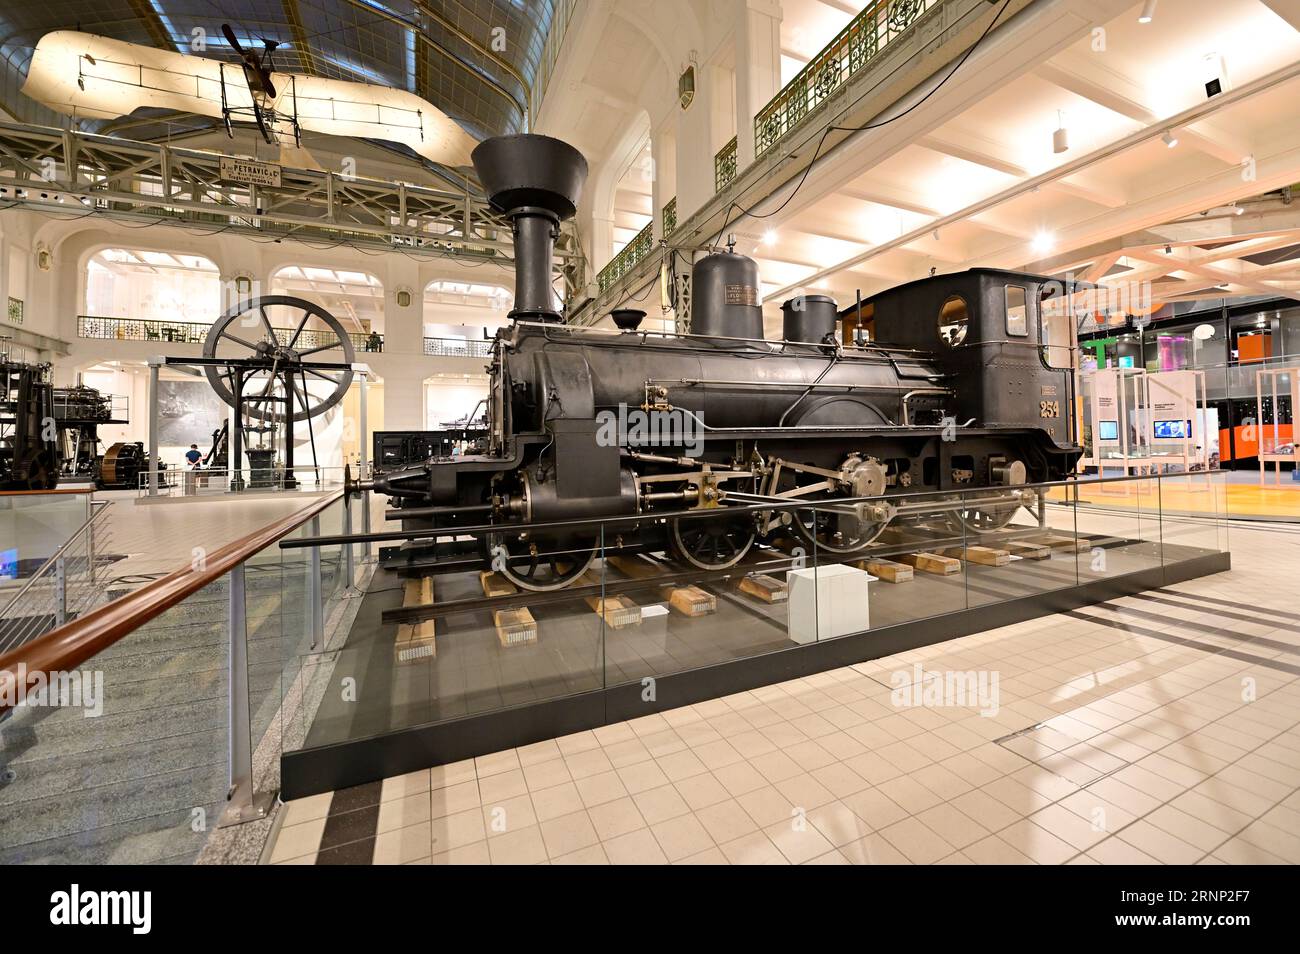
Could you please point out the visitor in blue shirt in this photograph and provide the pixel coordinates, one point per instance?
(193, 455)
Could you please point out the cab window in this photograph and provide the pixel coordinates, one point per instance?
(954, 320)
(1017, 312)
(1056, 324)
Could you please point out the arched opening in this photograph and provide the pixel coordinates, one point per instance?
(954, 320)
(142, 295)
(458, 313)
(355, 298)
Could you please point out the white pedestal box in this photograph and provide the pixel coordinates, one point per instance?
(827, 601)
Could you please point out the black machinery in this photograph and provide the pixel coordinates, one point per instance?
(258, 358)
(974, 391)
(394, 450)
(29, 450)
(79, 411)
(121, 466)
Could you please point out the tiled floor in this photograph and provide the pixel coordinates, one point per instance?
(1160, 728)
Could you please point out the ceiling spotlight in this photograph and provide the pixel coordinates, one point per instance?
(1169, 250)
(1060, 138)
(1042, 242)
(1169, 139)
(1148, 12)
(769, 237)
(1238, 209)
(935, 233)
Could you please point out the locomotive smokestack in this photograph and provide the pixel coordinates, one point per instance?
(536, 181)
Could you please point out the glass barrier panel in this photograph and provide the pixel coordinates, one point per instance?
(1118, 527)
(1192, 511)
(130, 767)
(32, 527)
(707, 592)
(542, 638)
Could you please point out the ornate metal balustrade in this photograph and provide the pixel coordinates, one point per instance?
(457, 348)
(626, 260)
(195, 332)
(857, 44)
(670, 217)
(724, 166)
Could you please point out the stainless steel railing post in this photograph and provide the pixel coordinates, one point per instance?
(60, 592)
(242, 803)
(315, 591)
(348, 569)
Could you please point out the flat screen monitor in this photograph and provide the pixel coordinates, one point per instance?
(1126, 361)
(1108, 430)
(1173, 430)
(9, 564)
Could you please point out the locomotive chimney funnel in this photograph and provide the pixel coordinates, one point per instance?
(536, 181)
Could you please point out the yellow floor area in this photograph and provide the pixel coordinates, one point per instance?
(1192, 494)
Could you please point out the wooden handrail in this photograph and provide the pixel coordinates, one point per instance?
(46, 493)
(68, 646)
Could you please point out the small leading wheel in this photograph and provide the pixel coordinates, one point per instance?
(539, 566)
(284, 331)
(838, 530)
(712, 543)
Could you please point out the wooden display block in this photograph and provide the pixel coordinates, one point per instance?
(1068, 544)
(984, 556)
(691, 600)
(887, 570)
(616, 611)
(494, 584)
(415, 641)
(766, 588)
(1028, 551)
(515, 627)
(688, 600)
(636, 566)
(931, 563)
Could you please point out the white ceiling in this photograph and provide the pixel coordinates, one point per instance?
(966, 191)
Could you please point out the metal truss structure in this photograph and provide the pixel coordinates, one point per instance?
(63, 172)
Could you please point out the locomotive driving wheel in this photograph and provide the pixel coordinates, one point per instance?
(712, 543)
(540, 566)
(983, 514)
(839, 530)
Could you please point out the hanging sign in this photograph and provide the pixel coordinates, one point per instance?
(250, 171)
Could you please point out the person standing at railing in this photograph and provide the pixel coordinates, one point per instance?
(194, 455)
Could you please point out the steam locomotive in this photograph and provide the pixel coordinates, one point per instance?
(974, 391)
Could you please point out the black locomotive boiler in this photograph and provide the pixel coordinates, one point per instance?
(972, 392)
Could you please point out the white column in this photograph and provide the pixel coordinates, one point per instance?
(758, 69)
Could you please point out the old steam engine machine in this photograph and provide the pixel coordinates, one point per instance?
(973, 391)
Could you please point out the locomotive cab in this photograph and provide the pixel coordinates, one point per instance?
(1006, 340)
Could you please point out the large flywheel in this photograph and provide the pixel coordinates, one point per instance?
(283, 333)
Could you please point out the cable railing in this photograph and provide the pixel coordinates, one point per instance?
(457, 348)
(866, 35)
(626, 260)
(195, 332)
(63, 588)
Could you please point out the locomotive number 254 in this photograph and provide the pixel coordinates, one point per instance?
(1049, 408)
